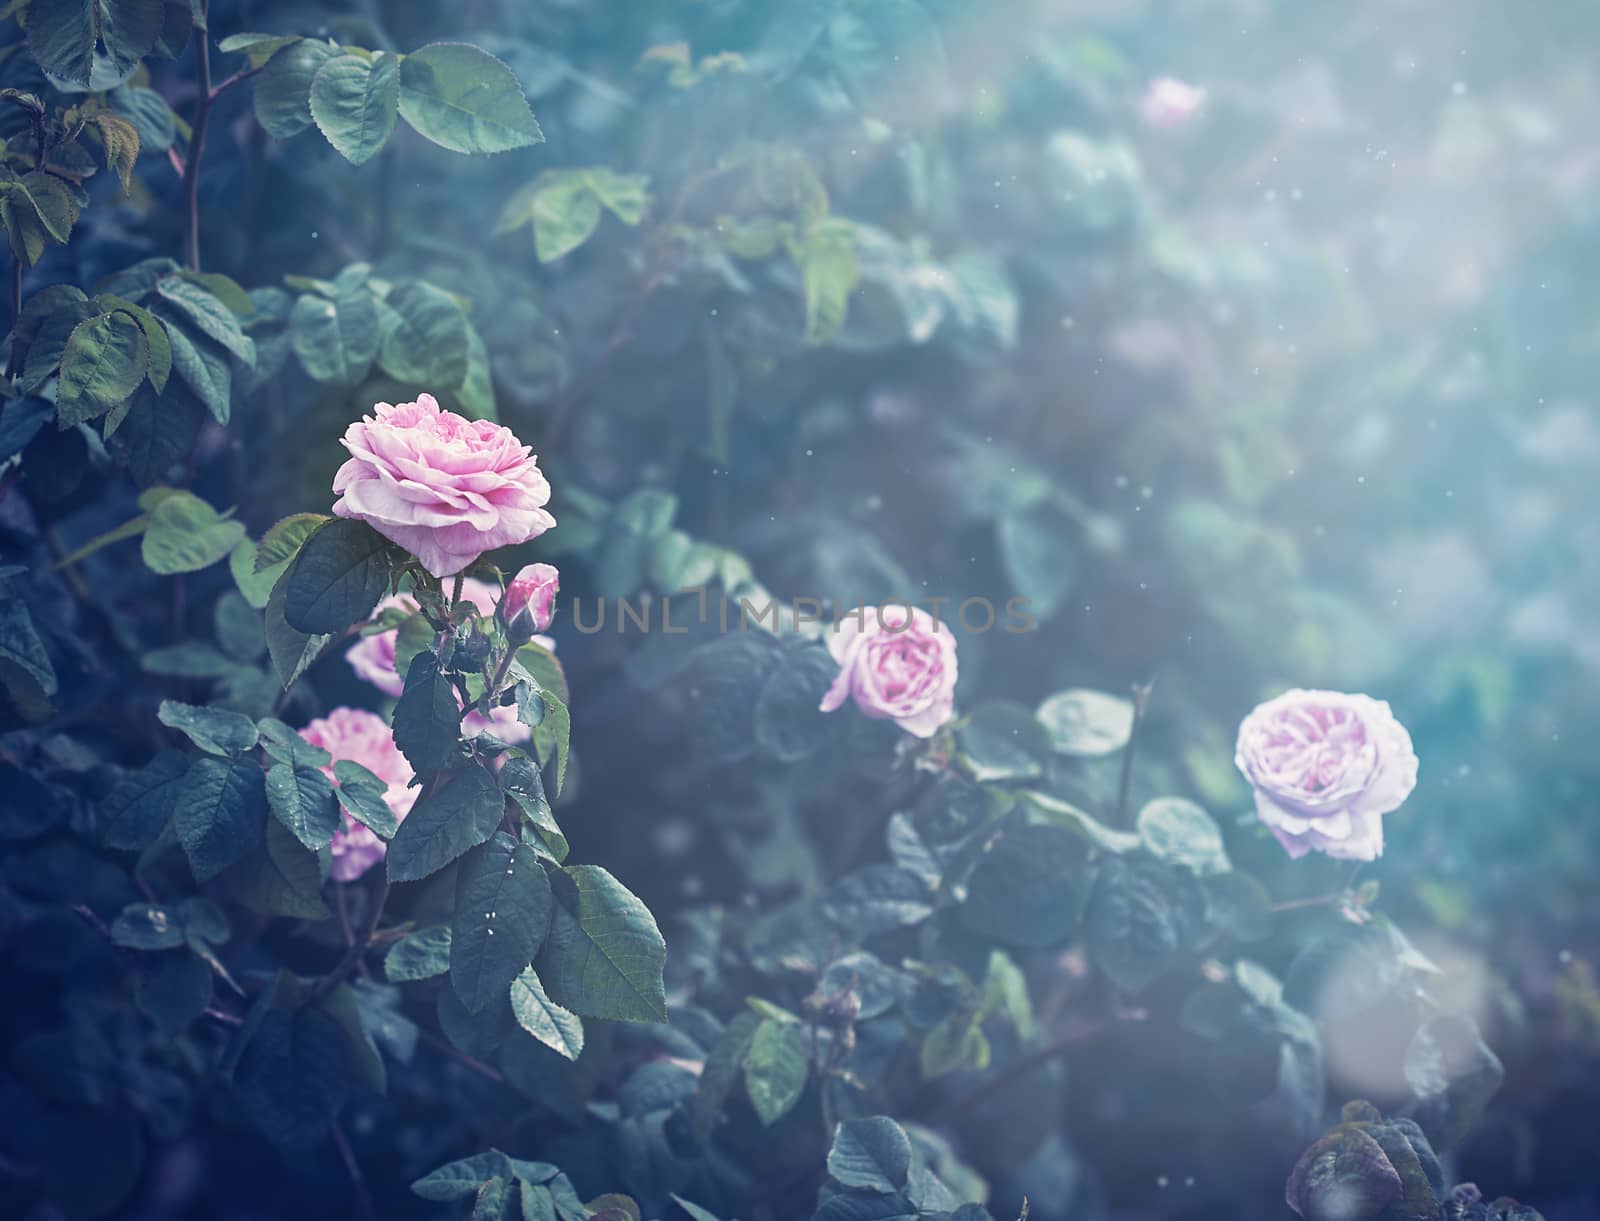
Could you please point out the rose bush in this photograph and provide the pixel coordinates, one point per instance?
(1131, 346)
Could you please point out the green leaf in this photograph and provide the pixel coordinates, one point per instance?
(173, 990)
(723, 1068)
(605, 956)
(465, 99)
(159, 367)
(1238, 905)
(1029, 887)
(259, 48)
(337, 578)
(282, 744)
(201, 307)
(291, 651)
(365, 798)
(459, 1179)
(522, 782)
(873, 1154)
(202, 366)
(158, 433)
(136, 810)
(955, 1045)
(215, 730)
(354, 100)
(1005, 991)
(427, 718)
(290, 1079)
(493, 1198)
(104, 361)
(558, 1029)
(301, 798)
(425, 336)
(1086, 723)
(776, 1067)
(552, 738)
(336, 340)
(1141, 917)
(1181, 833)
(220, 812)
(1453, 1074)
(283, 540)
(283, 87)
(362, 1059)
(149, 113)
(25, 233)
(186, 534)
(460, 814)
(21, 650)
(282, 877)
(828, 273)
(226, 290)
(502, 914)
(1002, 741)
(53, 202)
(877, 898)
(94, 43)
(423, 954)
(1046, 808)
(565, 214)
(237, 626)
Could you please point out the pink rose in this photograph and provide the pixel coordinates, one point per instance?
(362, 737)
(1169, 102)
(532, 590)
(899, 665)
(442, 486)
(1326, 767)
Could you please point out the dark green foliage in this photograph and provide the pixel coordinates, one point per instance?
(1141, 917)
(605, 954)
(460, 813)
(336, 578)
(502, 914)
(219, 814)
(802, 306)
(427, 720)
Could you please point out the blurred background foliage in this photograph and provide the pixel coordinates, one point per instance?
(906, 298)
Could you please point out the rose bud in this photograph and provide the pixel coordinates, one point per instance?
(529, 603)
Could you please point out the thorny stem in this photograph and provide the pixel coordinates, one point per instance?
(352, 956)
(461, 1057)
(204, 99)
(1141, 699)
(1326, 900)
